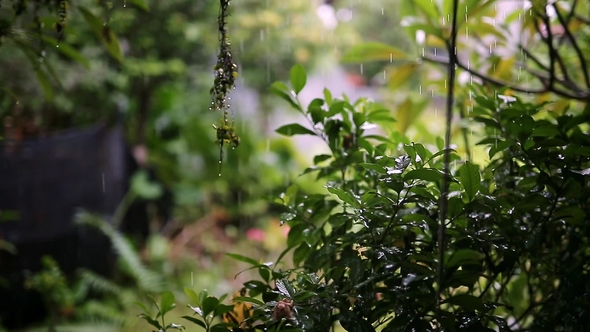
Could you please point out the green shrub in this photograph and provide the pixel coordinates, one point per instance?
(365, 252)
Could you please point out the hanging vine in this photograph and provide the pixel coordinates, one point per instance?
(225, 73)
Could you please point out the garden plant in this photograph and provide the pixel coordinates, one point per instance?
(418, 235)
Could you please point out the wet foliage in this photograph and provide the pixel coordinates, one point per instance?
(365, 252)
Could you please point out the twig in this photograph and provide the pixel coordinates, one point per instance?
(452, 49)
(574, 45)
(584, 96)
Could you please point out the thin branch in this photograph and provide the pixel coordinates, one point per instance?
(582, 19)
(574, 45)
(568, 84)
(584, 96)
(483, 77)
(549, 41)
(452, 49)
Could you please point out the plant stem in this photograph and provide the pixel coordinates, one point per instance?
(452, 49)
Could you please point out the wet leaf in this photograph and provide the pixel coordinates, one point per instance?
(192, 295)
(166, 303)
(467, 302)
(140, 3)
(344, 196)
(242, 258)
(210, 303)
(294, 129)
(401, 74)
(373, 51)
(426, 174)
(298, 78)
(464, 257)
(470, 180)
(281, 90)
(195, 321)
(104, 33)
(151, 321)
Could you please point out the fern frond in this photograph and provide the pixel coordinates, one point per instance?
(101, 312)
(147, 280)
(98, 283)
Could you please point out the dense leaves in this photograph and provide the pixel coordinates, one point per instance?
(366, 252)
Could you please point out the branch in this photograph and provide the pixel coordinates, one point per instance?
(483, 77)
(583, 96)
(574, 45)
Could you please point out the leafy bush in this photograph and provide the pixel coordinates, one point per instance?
(365, 252)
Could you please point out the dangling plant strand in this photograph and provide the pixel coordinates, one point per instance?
(225, 72)
(60, 27)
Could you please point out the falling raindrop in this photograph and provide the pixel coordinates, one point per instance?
(420, 89)
(434, 51)
(267, 69)
(467, 33)
(124, 3)
(384, 75)
(361, 68)
(390, 57)
(382, 11)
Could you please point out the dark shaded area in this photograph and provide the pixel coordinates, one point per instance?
(43, 183)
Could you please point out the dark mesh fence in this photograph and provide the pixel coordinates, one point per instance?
(43, 183)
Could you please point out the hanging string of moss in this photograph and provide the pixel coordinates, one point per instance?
(225, 73)
(62, 11)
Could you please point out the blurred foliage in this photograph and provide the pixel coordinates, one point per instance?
(537, 51)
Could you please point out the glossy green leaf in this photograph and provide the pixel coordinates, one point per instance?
(210, 303)
(294, 129)
(470, 180)
(281, 90)
(151, 321)
(140, 3)
(192, 295)
(401, 74)
(429, 9)
(426, 174)
(373, 51)
(166, 302)
(374, 167)
(103, 32)
(298, 78)
(464, 257)
(467, 302)
(195, 320)
(241, 258)
(344, 196)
